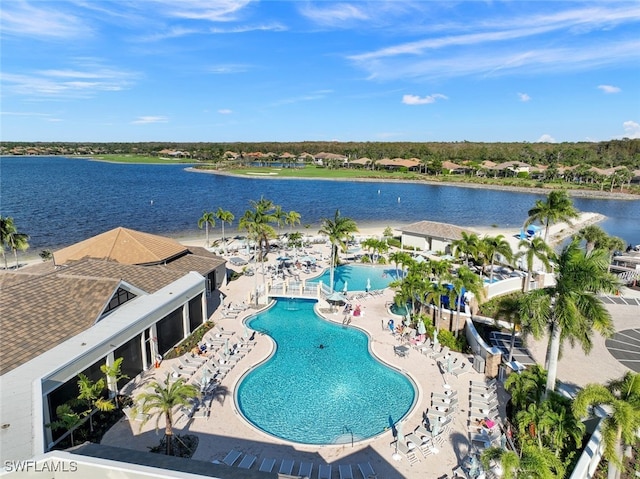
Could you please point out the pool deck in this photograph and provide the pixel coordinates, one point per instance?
(225, 429)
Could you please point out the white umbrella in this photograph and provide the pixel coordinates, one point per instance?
(435, 428)
(368, 284)
(221, 300)
(344, 290)
(449, 365)
(421, 327)
(204, 381)
(245, 333)
(226, 348)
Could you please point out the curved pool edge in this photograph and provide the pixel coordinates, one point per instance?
(416, 399)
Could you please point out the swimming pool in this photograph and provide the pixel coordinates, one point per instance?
(313, 395)
(358, 275)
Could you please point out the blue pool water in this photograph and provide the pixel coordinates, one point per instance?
(312, 395)
(356, 276)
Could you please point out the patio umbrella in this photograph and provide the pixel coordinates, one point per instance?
(226, 348)
(204, 381)
(449, 365)
(344, 290)
(283, 258)
(221, 300)
(245, 333)
(421, 327)
(436, 343)
(336, 297)
(368, 284)
(435, 428)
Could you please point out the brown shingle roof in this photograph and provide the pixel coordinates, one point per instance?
(124, 246)
(436, 230)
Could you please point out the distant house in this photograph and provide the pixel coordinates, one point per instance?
(398, 163)
(432, 236)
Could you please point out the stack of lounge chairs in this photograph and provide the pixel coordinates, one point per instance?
(287, 466)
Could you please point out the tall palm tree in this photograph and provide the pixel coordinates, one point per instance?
(434, 292)
(162, 400)
(7, 228)
(338, 229)
(467, 245)
(256, 222)
(537, 248)
(621, 397)
(279, 217)
(556, 208)
(465, 280)
(399, 258)
(571, 308)
(526, 387)
(533, 462)
(292, 218)
(207, 218)
(593, 235)
(491, 246)
(225, 217)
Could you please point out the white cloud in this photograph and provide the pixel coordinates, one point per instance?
(23, 19)
(631, 129)
(211, 10)
(333, 14)
(89, 77)
(225, 111)
(524, 97)
(609, 88)
(546, 138)
(226, 69)
(144, 120)
(416, 100)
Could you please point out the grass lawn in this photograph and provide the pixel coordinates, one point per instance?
(141, 159)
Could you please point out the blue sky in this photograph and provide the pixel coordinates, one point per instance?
(242, 70)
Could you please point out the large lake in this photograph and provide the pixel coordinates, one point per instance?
(59, 201)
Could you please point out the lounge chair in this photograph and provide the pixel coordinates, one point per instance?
(286, 467)
(267, 465)
(324, 471)
(367, 471)
(442, 354)
(247, 461)
(305, 469)
(345, 471)
(180, 372)
(486, 384)
(463, 369)
(231, 457)
(406, 452)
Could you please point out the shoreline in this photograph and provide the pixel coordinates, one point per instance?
(601, 195)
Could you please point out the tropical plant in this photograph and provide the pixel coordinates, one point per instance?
(12, 239)
(621, 401)
(7, 228)
(68, 420)
(434, 292)
(556, 208)
(533, 462)
(399, 258)
(593, 235)
(491, 246)
(279, 217)
(207, 218)
(571, 308)
(526, 387)
(90, 392)
(338, 229)
(536, 248)
(465, 280)
(292, 218)
(225, 217)
(46, 255)
(114, 374)
(161, 401)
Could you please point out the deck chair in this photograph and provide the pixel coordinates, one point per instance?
(345, 471)
(231, 457)
(247, 461)
(406, 452)
(463, 369)
(286, 467)
(267, 465)
(324, 471)
(367, 471)
(305, 469)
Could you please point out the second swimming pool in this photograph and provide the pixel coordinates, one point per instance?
(322, 385)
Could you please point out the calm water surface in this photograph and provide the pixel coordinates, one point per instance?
(59, 201)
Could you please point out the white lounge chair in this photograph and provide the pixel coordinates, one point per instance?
(267, 465)
(231, 457)
(345, 471)
(305, 469)
(324, 471)
(463, 369)
(247, 461)
(367, 471)
(406, 452)
(286, 467)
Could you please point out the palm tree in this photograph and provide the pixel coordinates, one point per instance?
(225, 217)
(292, 218)
(257, 224)
(536, 248)
(593, 235)
(68, 419)
(621, 397)
(571, 308)
(338, 229)
(492, 246)
(208, 218)
(161, 402)
(114, 375)
(526, 387)
(434, 292)
(7, 228)
(557, 207)
(399, 258)
(467, 245)
(465, 280)
(533, 463)
(279, 217)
